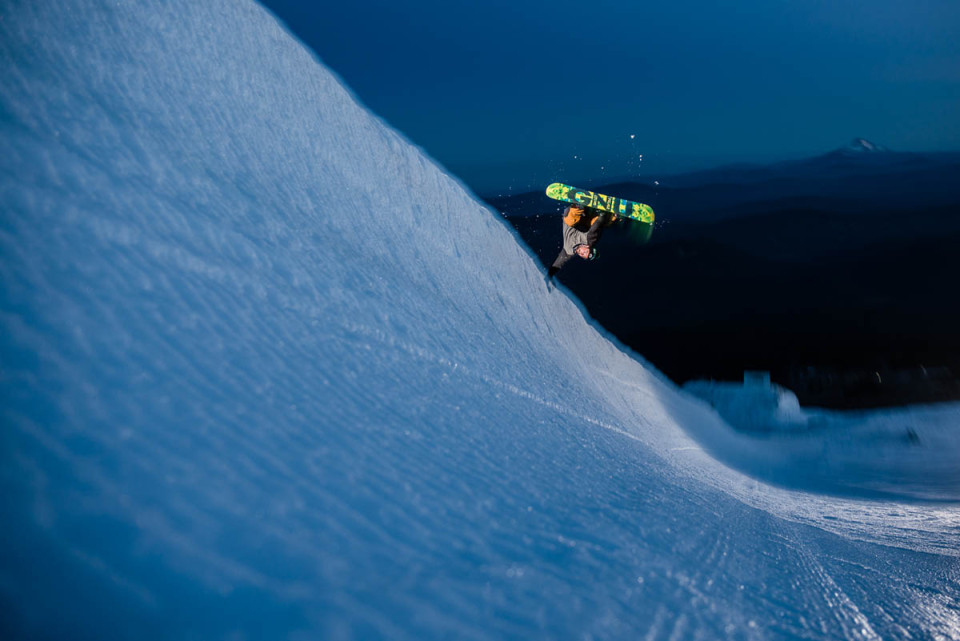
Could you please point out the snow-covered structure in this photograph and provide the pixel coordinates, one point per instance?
(248, 391)
(756, 405)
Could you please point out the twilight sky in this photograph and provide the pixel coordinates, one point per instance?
(509, 94)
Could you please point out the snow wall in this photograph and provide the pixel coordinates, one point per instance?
(268, 372)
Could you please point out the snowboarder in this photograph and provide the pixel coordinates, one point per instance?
(582, 228)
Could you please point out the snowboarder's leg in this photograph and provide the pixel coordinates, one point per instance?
(596, 229)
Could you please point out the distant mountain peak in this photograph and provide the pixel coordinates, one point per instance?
(861, 146)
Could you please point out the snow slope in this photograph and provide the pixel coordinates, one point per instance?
(247, 392)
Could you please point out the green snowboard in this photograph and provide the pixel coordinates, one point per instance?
(600, 202)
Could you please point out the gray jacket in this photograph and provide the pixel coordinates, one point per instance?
(573, 237)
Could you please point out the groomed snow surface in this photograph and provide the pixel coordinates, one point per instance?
(269, 373)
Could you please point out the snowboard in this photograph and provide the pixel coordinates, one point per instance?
(600, 202)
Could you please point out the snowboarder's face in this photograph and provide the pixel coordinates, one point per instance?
(583, 251)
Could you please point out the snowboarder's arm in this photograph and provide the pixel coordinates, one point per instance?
(560, 261)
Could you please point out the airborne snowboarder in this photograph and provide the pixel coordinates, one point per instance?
(582, 228)
(587, 215)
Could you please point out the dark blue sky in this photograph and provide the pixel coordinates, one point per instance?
(514, 93)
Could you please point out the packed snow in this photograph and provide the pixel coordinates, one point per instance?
(269, 372)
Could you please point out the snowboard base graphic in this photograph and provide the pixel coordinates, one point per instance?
(600, 202)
